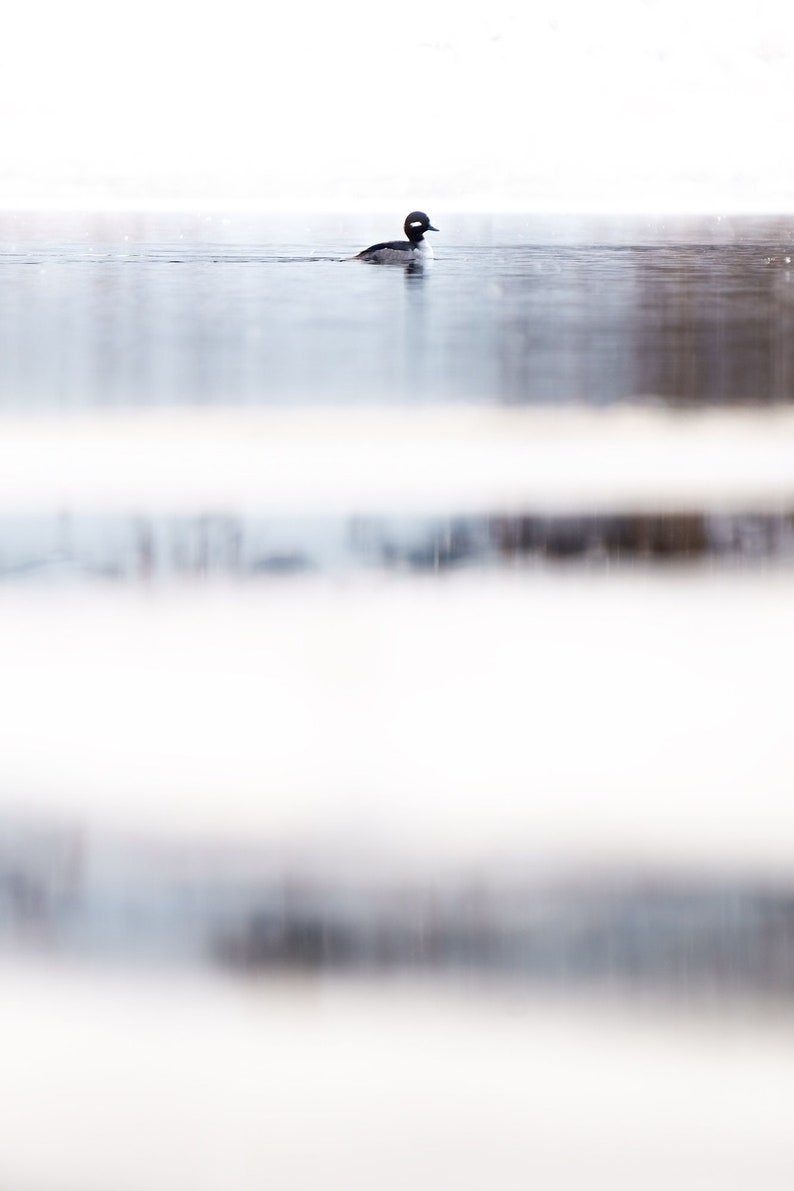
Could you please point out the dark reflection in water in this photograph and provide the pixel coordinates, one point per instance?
(245, 909)
(225, 545)
(692, 325)
(132, 311)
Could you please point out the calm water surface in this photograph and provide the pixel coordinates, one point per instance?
(295, 742)
(133, 311)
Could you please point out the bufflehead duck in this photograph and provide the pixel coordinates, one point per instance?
(403, 252)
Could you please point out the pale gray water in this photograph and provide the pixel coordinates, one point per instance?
(120, 311)
(66, 547)
(135, 311)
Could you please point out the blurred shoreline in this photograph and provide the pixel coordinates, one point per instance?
(688, 938)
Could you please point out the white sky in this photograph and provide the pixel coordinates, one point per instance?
(561, 104)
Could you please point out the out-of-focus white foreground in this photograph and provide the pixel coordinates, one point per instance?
(190, 1085)
(521, 714)
(635, 717)
(450, 459)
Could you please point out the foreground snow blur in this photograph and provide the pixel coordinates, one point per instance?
(449, 459)
(641, 715)
(187, 1084)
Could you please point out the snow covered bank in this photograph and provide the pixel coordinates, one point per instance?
(433, 460)
(634, 717)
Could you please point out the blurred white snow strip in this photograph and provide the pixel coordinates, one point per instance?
(629, 717)
(434, 459)
(143, 1084)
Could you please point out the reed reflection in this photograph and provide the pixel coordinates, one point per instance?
(243, 908)
(692, 325)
